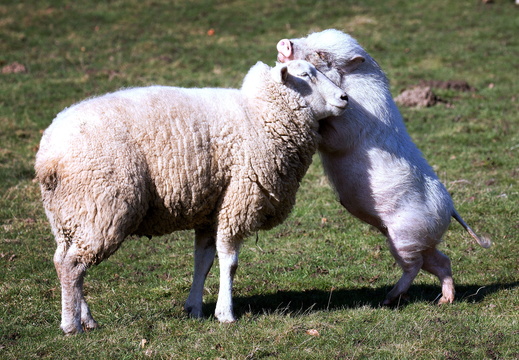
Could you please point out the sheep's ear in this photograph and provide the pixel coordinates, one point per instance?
(353, 63)
(280, 74)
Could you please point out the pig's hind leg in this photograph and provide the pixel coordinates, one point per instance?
(437, 263)
(411, 261)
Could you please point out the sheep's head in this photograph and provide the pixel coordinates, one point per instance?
(322, 96)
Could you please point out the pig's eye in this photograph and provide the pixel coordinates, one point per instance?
(313, 57)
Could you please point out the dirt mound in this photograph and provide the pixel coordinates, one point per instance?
(417, 96)
(422, 95)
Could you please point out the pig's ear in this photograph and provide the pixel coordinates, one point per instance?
(353, 63)
(280, 73)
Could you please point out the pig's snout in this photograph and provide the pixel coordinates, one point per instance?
(284, 48)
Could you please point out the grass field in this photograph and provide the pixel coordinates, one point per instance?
(310, 288)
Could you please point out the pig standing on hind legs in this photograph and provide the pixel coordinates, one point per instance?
(378, 172)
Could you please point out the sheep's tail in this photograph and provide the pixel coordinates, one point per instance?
(483, 241)
(46, 174)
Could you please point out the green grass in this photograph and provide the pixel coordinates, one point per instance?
(309, 273)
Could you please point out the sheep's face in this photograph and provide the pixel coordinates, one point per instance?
(322, 96)
(332, 52)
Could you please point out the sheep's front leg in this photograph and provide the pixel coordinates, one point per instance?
(205, 249)
(228, 259)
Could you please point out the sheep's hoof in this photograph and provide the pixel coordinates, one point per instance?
(194, 312)
(226, 321)
(225, 318)
(71, 330)
(90, 325)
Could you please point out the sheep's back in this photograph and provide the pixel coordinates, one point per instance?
(173, 140)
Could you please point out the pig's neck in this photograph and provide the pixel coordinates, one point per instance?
(370, 116)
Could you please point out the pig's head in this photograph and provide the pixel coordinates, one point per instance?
(331, 51)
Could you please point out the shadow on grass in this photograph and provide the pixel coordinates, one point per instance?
(317, 300)
(309, 301)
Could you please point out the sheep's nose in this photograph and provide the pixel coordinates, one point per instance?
(344, 97)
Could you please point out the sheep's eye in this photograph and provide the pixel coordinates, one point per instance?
(305, 74)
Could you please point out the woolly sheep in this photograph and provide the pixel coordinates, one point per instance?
(378, 172)
(149, 161)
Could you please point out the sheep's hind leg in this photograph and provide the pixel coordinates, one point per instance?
(87, 321)
(71, 274)
(205, 250)
(411, 263)
(228, 259)
(437, 263)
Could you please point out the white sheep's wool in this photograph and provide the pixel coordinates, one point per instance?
(149, 161)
